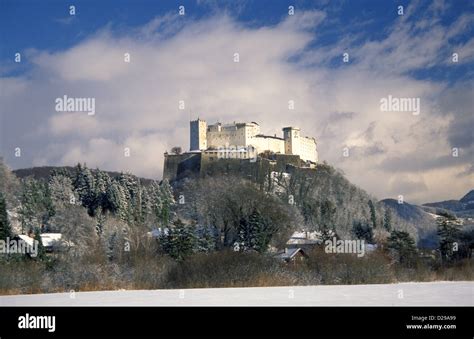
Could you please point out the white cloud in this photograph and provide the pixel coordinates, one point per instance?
(137, 102)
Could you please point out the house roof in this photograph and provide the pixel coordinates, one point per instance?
(304, 238)
(289, 253)
(28, 240)
(268, 136)
(48, 239)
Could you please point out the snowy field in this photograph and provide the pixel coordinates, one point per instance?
(403, 294)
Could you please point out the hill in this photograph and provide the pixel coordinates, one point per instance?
(423, 221)
(463, 207)
(44, 172)
(323, 197)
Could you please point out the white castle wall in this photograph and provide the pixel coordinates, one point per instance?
(307, 149)
(267, 143)
(220, 136)
(231, 135)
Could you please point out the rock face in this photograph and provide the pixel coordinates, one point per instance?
(192, 164)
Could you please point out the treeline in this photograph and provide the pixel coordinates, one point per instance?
(210, 231)
(41, 202)
(89, 206)
(86, 206)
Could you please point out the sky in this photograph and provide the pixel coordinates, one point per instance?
(426, 54)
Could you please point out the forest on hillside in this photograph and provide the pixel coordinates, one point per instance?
(219, 230)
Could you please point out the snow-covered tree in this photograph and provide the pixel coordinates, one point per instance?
(5, 228)
(36, 205)
(449, 232)
(61, 190)
(41, 250)
(102, 182)
(402, 247)
(114, 237)
(167, 200)
(387, 219)
(118, 200)
(373, 216)
(75, 225)
(9, 185)
(84, 185)
(254, 232)
(180, 240)
(206, 239)
(156, 202)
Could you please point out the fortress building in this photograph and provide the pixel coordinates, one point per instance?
(244, 140)
(239, 148)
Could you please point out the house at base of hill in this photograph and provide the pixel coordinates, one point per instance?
(292, 255)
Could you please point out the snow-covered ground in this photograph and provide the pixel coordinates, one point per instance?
(403, 294)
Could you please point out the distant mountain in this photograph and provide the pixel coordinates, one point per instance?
(468, 198)
(461, 208)
(423, 221)
(423, 218)
(45, 171)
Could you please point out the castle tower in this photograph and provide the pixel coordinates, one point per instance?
(292, 140)
(198, 135)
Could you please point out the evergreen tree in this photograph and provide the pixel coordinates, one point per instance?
(206, 240)
(117, 201)
(60, 171)
(245, 235)
(102, 182)
(179, 241)
(27, 205)
(387, 220)
(5, 227)
(254, 232)
(36, 204)
(41, 250)
(402, 246)
(373, 217)
(363, 231)
(130, 188)
(167, 200)
(449, 236)
(144, 207)
(155, 202)
(84, 186)
(327, 213)
(100, 221)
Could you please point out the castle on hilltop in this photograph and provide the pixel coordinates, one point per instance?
(241, 148)
(246, 139)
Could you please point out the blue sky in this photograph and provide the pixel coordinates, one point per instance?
(47, 25)
(282, 58)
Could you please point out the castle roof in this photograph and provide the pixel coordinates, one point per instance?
(268, 136)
